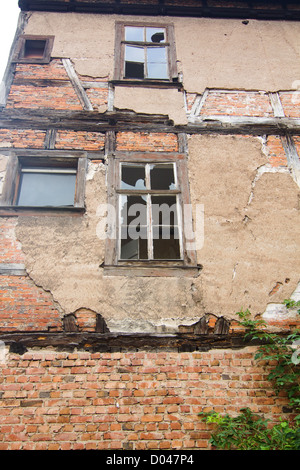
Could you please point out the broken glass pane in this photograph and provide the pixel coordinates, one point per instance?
(164, 210)
(155, 35)
(133, 210)
(166, 247)
(133, 177)
(162, 176)
(133, 249)
(47, 189)
(133, 33)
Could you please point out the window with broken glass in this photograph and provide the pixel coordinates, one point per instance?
(145, 53)
(148, 222)
(149, 212)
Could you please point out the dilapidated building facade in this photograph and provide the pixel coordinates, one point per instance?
(149, 182)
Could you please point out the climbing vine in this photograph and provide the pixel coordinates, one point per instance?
(249, 431)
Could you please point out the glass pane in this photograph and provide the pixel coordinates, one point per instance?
(162, 177)
(155, 35)
(166, 247)
(133, 33)
(134, 54)
(159, 71)
(134, 62)
(133, 249)
(47, 189)
(157, 54)
(133, 211)
(157, 63)
(133, 177)
(164, 210)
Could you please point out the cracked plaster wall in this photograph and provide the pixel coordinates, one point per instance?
(250, 245)
(211, 53)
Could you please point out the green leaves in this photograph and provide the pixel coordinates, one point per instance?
(248, 431)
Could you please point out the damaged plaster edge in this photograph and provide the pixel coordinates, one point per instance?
(275, 311)
(10, 67)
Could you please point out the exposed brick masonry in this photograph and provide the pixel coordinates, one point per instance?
(131, 400)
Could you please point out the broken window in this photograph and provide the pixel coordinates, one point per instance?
(34, 49)
(149, 219)
(40, 181)
(149, 212)
(145, 53)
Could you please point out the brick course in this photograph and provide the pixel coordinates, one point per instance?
(48, 97)
(26, 307)
(126, 400)
(147, 142)
(92, 141)
(22, 138)
(237, 104)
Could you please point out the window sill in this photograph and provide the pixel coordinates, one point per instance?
(6, 211)
(152, 270)
(147, 83)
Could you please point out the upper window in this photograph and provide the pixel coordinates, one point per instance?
(33, 49)
(145, 52)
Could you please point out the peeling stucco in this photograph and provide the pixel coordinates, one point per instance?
(211, 53)
(247, 249)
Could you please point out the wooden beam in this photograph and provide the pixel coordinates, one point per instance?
(222, 9)
(131, 121)
(19, 342)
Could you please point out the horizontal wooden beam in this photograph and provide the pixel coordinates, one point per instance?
(19, 342)
(130, 121)
(223, 9)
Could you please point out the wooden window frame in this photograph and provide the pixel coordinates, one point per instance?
(187, 266)
(120, 55)
(20, 50)
(42, 158)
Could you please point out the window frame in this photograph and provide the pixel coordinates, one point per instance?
(113, 263)
(42, 159)
(20, 50)
(120, 55)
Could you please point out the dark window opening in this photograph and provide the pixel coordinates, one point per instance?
(149, 222)
(34, 49)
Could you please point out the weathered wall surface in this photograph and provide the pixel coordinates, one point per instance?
(250, 254)
(211, 53)
(144, 392)
(247, 246)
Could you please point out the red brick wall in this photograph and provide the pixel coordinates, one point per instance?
(26, 307)
(237, 104)
(11, 251)
(89, 141)
(147, 142)
(22, 138)
(23, 305)
(131, 400)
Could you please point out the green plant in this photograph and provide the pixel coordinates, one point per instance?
(248, 431)
(278, 350)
